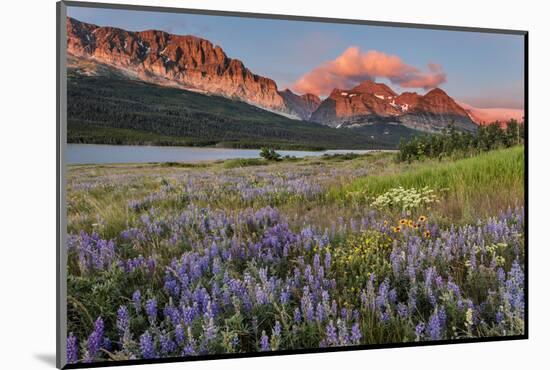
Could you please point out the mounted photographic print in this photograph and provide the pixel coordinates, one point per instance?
(234, 184)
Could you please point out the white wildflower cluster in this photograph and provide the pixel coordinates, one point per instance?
(405, 199)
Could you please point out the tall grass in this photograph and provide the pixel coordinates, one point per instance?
(472, 187)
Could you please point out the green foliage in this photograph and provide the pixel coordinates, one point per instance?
(270, 154)
(92, 296)
(338, 157)
(454, 143)
(243, 162)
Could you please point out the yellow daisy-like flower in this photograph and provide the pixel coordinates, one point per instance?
(422, 219)
(411, 223)
(396, 229)
(427, 234)
(403, 221)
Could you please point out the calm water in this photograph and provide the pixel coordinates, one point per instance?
(95, 154)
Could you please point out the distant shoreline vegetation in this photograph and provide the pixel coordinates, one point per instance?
(83, 134)
(449, 142)
(106, 136)
(455, 144)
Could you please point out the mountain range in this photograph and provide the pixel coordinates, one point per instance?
(195, 64)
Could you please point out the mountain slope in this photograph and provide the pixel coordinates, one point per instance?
(112, 109)
(372, 102)
(301, 105)
(435, 111)
(172, 60)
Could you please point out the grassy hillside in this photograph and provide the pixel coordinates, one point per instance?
(112, 110)
(470, 188)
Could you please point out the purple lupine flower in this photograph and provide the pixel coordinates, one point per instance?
(513, 288)
(285, 296)
(333, 308)
(151, 264)
(261, 296)
(320, 312)
(180, 334)
(382, 296)
(147, 346)
(442, 316)
(501, 275)
(123, 320)
(264, 342)
(72, 349)
(331, 335)
(297, 315)
(107, 344)
(344, 313)
(356, 333)
(343, 337)
(151, 309)
(167, 345)
(434, 327)
(276, 336)
(189, 349)
(306, 305)
(364, 299)
(328, 258)
(419, 330)
(209, 327)
(402, 310)
(93, 251)
(136, 299)
(453, 287)
(188, 315)
(172, 314)
(392, 295)
(277, 329)
(95, 340)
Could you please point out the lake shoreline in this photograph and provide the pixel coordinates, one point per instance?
(105, 154)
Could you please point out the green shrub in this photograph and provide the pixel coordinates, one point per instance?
(243, 162)
(270, 154)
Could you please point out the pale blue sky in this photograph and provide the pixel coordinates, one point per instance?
(485, 70)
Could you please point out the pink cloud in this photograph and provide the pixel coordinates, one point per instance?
(354, 66)
(489, 115)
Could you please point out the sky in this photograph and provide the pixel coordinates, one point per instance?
(480, 69)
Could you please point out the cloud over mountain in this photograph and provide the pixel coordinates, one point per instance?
(354, 66)
(489, 115)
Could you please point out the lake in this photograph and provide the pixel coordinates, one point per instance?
(101, 154)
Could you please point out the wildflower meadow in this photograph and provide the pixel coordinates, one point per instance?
(175, 259)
